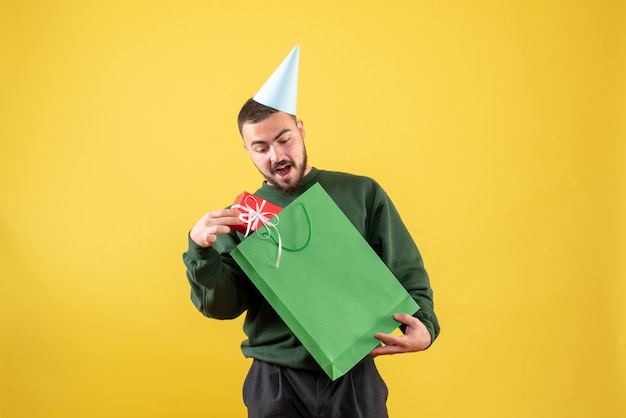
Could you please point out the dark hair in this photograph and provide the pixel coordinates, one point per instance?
(254, 112)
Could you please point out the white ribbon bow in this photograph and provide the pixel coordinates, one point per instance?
(254, 217)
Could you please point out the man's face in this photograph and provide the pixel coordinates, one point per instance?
(276, 146)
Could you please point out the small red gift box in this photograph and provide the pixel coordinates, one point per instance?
(255, 212)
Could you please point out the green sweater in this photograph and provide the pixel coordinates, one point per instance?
(219, 289)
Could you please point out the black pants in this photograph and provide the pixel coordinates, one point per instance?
(276, 391)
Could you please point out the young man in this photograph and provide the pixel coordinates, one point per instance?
(284, 380)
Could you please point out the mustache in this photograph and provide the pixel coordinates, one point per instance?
(281, 163)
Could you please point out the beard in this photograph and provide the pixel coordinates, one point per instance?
(293, 184)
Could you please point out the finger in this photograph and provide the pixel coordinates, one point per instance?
(386, 350)
(211, 235)
(225, 213)
(224, 217)
(205, 236)
(209, 239)
(231, 213)
(221, 229)
(404, 318)
(389, 339)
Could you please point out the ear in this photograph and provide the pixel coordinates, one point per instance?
(300, 126)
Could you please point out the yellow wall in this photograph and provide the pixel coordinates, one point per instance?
(497, 127)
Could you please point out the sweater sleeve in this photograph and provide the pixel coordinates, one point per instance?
(219, 289)
(390, 238)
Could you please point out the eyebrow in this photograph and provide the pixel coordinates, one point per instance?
(281, 133)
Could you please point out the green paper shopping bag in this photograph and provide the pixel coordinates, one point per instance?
(324, 280)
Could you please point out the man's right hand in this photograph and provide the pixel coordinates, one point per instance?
(204, 233)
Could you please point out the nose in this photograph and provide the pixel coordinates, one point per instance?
(275, 154)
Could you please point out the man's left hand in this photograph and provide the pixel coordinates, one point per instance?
(415, 338)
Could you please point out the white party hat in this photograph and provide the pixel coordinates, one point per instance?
(280, 91)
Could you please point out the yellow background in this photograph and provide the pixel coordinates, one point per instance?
(497, 128)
